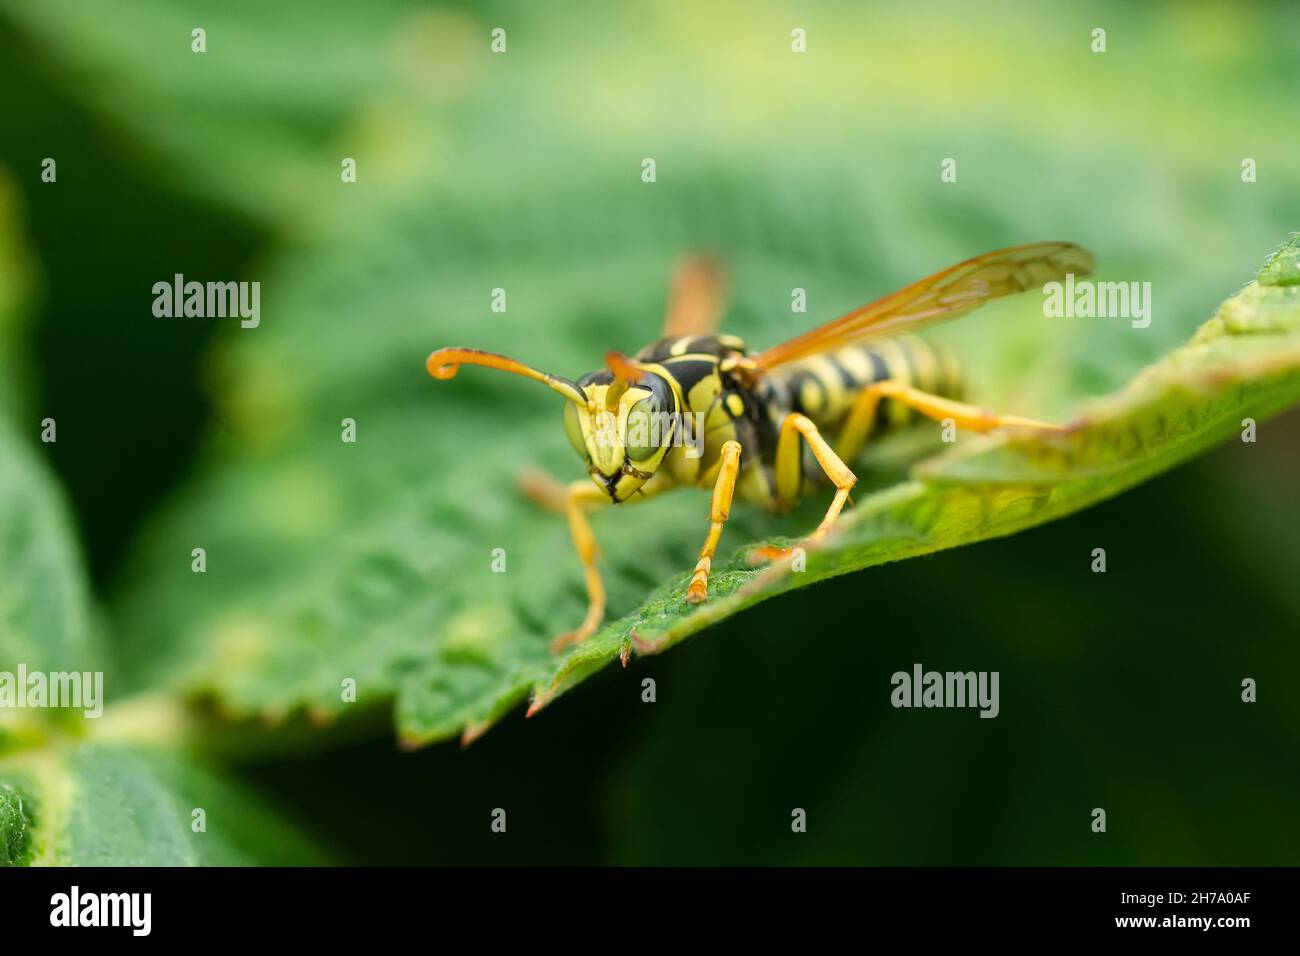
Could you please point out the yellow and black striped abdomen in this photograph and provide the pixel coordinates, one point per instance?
(824, 387)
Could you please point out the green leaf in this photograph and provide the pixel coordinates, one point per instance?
(15, 827)
(330, 561)
(272, 91)
(98, 805)
(46, 616)
(47, 621)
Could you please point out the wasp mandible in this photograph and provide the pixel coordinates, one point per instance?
(827, 390)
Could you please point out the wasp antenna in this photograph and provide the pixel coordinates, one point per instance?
(443, 365)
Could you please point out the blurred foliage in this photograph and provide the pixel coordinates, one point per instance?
(15, 295)
(45, 615)
(522, 171)
(75, 804)
(46, 618)
(97, 806)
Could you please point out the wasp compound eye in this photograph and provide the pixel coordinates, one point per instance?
(644, 425)
(573, 429)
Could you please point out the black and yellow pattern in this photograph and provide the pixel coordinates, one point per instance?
(823, 387)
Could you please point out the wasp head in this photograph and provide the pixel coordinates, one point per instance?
(626, 426)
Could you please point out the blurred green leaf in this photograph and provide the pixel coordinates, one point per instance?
(411, 90)
(15, 292)
(97, 805)
(46, 618)
(263, 105)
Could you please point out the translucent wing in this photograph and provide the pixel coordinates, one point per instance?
(696, 301)
(944, 295)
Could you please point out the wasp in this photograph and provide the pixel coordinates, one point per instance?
(765, 426)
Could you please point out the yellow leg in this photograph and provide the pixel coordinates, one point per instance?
(789, 465)
(723, 490)
(857, 426)
(583, 495)
(574, 500)
(543, 490)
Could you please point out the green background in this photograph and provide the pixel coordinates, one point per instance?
(818, 170)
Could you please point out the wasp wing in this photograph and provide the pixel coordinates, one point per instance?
(938, 298)
(696, 301)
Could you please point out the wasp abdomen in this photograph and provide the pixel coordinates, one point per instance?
(824, 387)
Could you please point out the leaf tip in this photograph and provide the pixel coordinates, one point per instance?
(473, 732)
(408, 742)
(1282, 267)
(643, 646)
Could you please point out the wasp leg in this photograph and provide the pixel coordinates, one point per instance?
(579, 497)
(574, 500)
(543, 490)
(863, 414)
(723, 490)
(789, 471)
